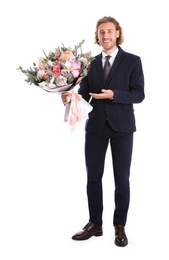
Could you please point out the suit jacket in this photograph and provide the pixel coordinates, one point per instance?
(126, 79)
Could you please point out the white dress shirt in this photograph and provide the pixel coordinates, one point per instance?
(111, 60)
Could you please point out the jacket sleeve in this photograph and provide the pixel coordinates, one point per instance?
(84, 89)
(135, 94)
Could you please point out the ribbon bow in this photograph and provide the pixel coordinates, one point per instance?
(73, 112)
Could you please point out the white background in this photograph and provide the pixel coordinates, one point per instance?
(42, 172)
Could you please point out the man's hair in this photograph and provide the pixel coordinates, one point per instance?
(109, 19)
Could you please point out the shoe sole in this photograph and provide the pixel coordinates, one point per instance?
(121, 245)
(96, 235)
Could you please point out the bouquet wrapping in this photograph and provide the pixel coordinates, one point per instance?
(76, 110)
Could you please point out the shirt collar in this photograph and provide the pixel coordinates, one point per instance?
(113, 54)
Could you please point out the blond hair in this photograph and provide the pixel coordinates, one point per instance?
(109, 19)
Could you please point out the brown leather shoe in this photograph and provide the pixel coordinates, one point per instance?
(120, 236)
(88, 231)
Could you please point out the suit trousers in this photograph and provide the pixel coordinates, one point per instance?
(96, 144)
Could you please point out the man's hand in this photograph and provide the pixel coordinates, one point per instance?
(65, 96)
(106, 94)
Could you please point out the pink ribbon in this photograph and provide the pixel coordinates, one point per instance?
(74, 114)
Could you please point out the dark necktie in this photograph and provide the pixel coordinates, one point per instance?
(107, 66)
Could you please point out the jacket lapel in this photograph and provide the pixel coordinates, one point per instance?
(116, 63)
(99, 67)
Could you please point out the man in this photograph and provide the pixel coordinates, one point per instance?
(112, 121)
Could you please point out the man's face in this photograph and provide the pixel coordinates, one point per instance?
(107, 35)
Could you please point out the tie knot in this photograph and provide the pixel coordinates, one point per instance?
(107, 57)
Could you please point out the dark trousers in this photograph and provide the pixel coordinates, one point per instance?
(96, 145)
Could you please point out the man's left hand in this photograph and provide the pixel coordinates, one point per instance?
(106, 94)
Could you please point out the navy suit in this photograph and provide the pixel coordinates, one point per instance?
(111, 121)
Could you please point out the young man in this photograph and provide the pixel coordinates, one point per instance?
(112, 121)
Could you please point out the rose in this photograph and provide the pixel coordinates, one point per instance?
(66, 56)
(76, 68)
(56, 70)
(62, 81)
(65, 72)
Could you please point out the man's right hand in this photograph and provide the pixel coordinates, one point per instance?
(66, 96)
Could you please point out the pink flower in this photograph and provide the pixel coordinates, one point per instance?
(41, 64)
(56, 70)
(75, 65)
(76, 72)
(65, 72)
(76, 68)
(45, 76)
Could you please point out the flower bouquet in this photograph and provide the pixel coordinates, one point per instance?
(61, 70)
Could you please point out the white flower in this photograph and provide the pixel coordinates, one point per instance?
(40, 73)
(50, 63)
(67, 65)
(51, 85)
(52, 80)
(84, 60)
(62, 81)
(45, 84)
